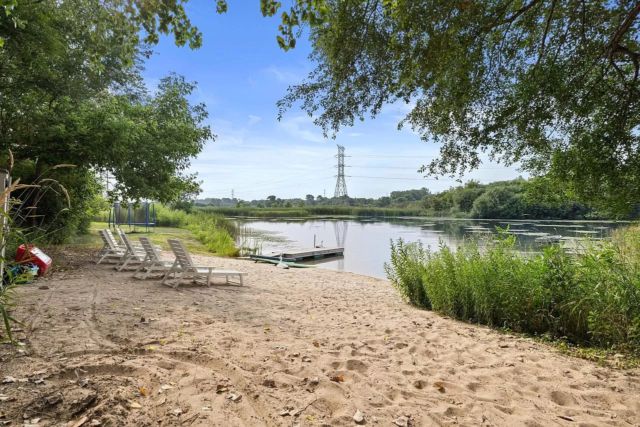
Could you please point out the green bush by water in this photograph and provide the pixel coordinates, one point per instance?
(254, 212)
(167, 217)
(215, 231)
(591, 298)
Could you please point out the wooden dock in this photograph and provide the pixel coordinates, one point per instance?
(315, 253)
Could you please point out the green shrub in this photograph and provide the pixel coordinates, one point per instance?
(406, 271)
(168, 217)
(215, 231)
(590, 298)
(66, 201)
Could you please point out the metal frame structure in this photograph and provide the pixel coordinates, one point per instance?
(115, 214)
(341, 184)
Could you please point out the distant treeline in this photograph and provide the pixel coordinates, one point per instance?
(503, 199)
(250, 211)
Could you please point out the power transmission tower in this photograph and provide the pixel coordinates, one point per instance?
(340, 228)
(341, 185)
(232, 195)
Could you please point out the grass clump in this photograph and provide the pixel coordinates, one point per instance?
(216, 232)
(592, 298)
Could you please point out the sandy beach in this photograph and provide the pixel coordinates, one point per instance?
(298, 347)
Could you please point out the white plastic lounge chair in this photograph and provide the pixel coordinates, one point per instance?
(121, 232)
(109, 250)
(131, 253)
(115, 242)
(185, 266)
(137, 245)
(152, 260)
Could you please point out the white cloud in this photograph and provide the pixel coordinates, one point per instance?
(298, 127)
(355, 134)
(253, 119)
(226, 132)
(285, 75)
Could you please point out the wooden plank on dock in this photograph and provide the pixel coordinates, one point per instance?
(315, 253)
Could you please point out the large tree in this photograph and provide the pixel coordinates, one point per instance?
(71, 93)
(59, 103)
(551, 84)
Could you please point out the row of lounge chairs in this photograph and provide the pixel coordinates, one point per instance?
(149, 259)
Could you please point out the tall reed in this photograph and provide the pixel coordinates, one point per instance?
(590, 298)
(215, 231)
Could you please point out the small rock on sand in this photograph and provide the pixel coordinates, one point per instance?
(358, 417)
(401, 422)
(234, 397)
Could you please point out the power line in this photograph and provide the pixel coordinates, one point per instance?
(408, 167)
(264, 185)
(267, 190)
(406, 179)
(277, 174)
(382, 156)
(271, 182)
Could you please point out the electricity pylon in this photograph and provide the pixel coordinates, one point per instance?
(341, 185)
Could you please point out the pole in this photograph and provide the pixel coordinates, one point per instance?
(5, 182)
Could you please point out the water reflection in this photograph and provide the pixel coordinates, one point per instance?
(367, 245)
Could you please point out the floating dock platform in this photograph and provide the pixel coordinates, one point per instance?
(312, 253)
(271, 257)
(299, 255)
(258, 258)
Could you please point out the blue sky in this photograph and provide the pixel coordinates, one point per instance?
(241, 74)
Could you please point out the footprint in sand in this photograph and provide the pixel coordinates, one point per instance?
(561, 398)
(357, 365)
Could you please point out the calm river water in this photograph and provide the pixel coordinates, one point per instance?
(366, 241)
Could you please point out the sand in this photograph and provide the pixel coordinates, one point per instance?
(95, 338)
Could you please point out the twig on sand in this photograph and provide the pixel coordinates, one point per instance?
(302, 410)
(484, 418)
(190, 420)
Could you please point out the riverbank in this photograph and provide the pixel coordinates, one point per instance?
(98, 338)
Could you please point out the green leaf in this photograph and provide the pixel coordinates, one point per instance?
(221, 6)
(6, 319)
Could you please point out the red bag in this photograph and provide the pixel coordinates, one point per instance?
(35, 256)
